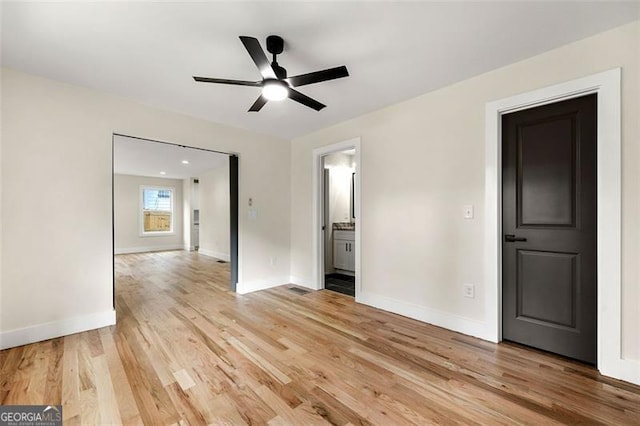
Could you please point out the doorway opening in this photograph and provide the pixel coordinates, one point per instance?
(169, 198)
(339, 222)
(337, 217)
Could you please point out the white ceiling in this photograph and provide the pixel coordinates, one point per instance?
(393, 50)
(132, 156)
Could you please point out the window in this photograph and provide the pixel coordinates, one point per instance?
(157, 210)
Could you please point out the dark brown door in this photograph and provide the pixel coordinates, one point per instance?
(549, 227)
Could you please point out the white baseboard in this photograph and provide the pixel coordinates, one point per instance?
(51, 330)
(250, 286)
(301, 282)
(422, 313)
(622, 369)
(217, 255)
(131, 250)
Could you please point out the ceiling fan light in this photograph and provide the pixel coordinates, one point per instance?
(275, 90)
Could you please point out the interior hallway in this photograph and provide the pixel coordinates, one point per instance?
(187, 349)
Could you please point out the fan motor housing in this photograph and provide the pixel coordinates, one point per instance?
(275, 44)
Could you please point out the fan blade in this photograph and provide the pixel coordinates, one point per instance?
(225, 81)
(305, 100)
(318, 76)
(258, 104)
(257, 54)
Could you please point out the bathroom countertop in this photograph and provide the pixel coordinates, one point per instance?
(344, 226)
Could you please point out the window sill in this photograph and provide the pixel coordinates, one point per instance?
(157, 234)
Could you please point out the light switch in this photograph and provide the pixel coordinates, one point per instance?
(468, 211)
(253, 214)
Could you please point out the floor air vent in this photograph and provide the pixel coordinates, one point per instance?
(221, 261)
(298, 290)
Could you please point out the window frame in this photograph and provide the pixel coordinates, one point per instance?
(141, 211)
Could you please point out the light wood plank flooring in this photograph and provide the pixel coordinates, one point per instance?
(186, 350)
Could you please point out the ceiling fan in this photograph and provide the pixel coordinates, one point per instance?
(275, 84)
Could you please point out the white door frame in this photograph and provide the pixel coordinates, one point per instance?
(607, 87)
(316, 222)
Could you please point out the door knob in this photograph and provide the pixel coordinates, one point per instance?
(510, 238)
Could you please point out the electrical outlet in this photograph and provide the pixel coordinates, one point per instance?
(469, 291)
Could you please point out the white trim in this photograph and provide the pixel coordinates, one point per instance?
(53, 329)
(607, 87)
(446, 320)
(154, 234)
(301, 282)
(316, 225)
(256, 285)
(222, 256)
(148, 249)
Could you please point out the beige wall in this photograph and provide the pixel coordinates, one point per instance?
(214, 212)
(423, 159)
(56, 144)
(126, 201)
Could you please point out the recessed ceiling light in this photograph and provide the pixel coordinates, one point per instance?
(163, 173)
(185, 161)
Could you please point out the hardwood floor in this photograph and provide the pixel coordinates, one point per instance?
(186, 350)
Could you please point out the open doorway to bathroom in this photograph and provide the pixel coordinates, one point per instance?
(339, 221)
